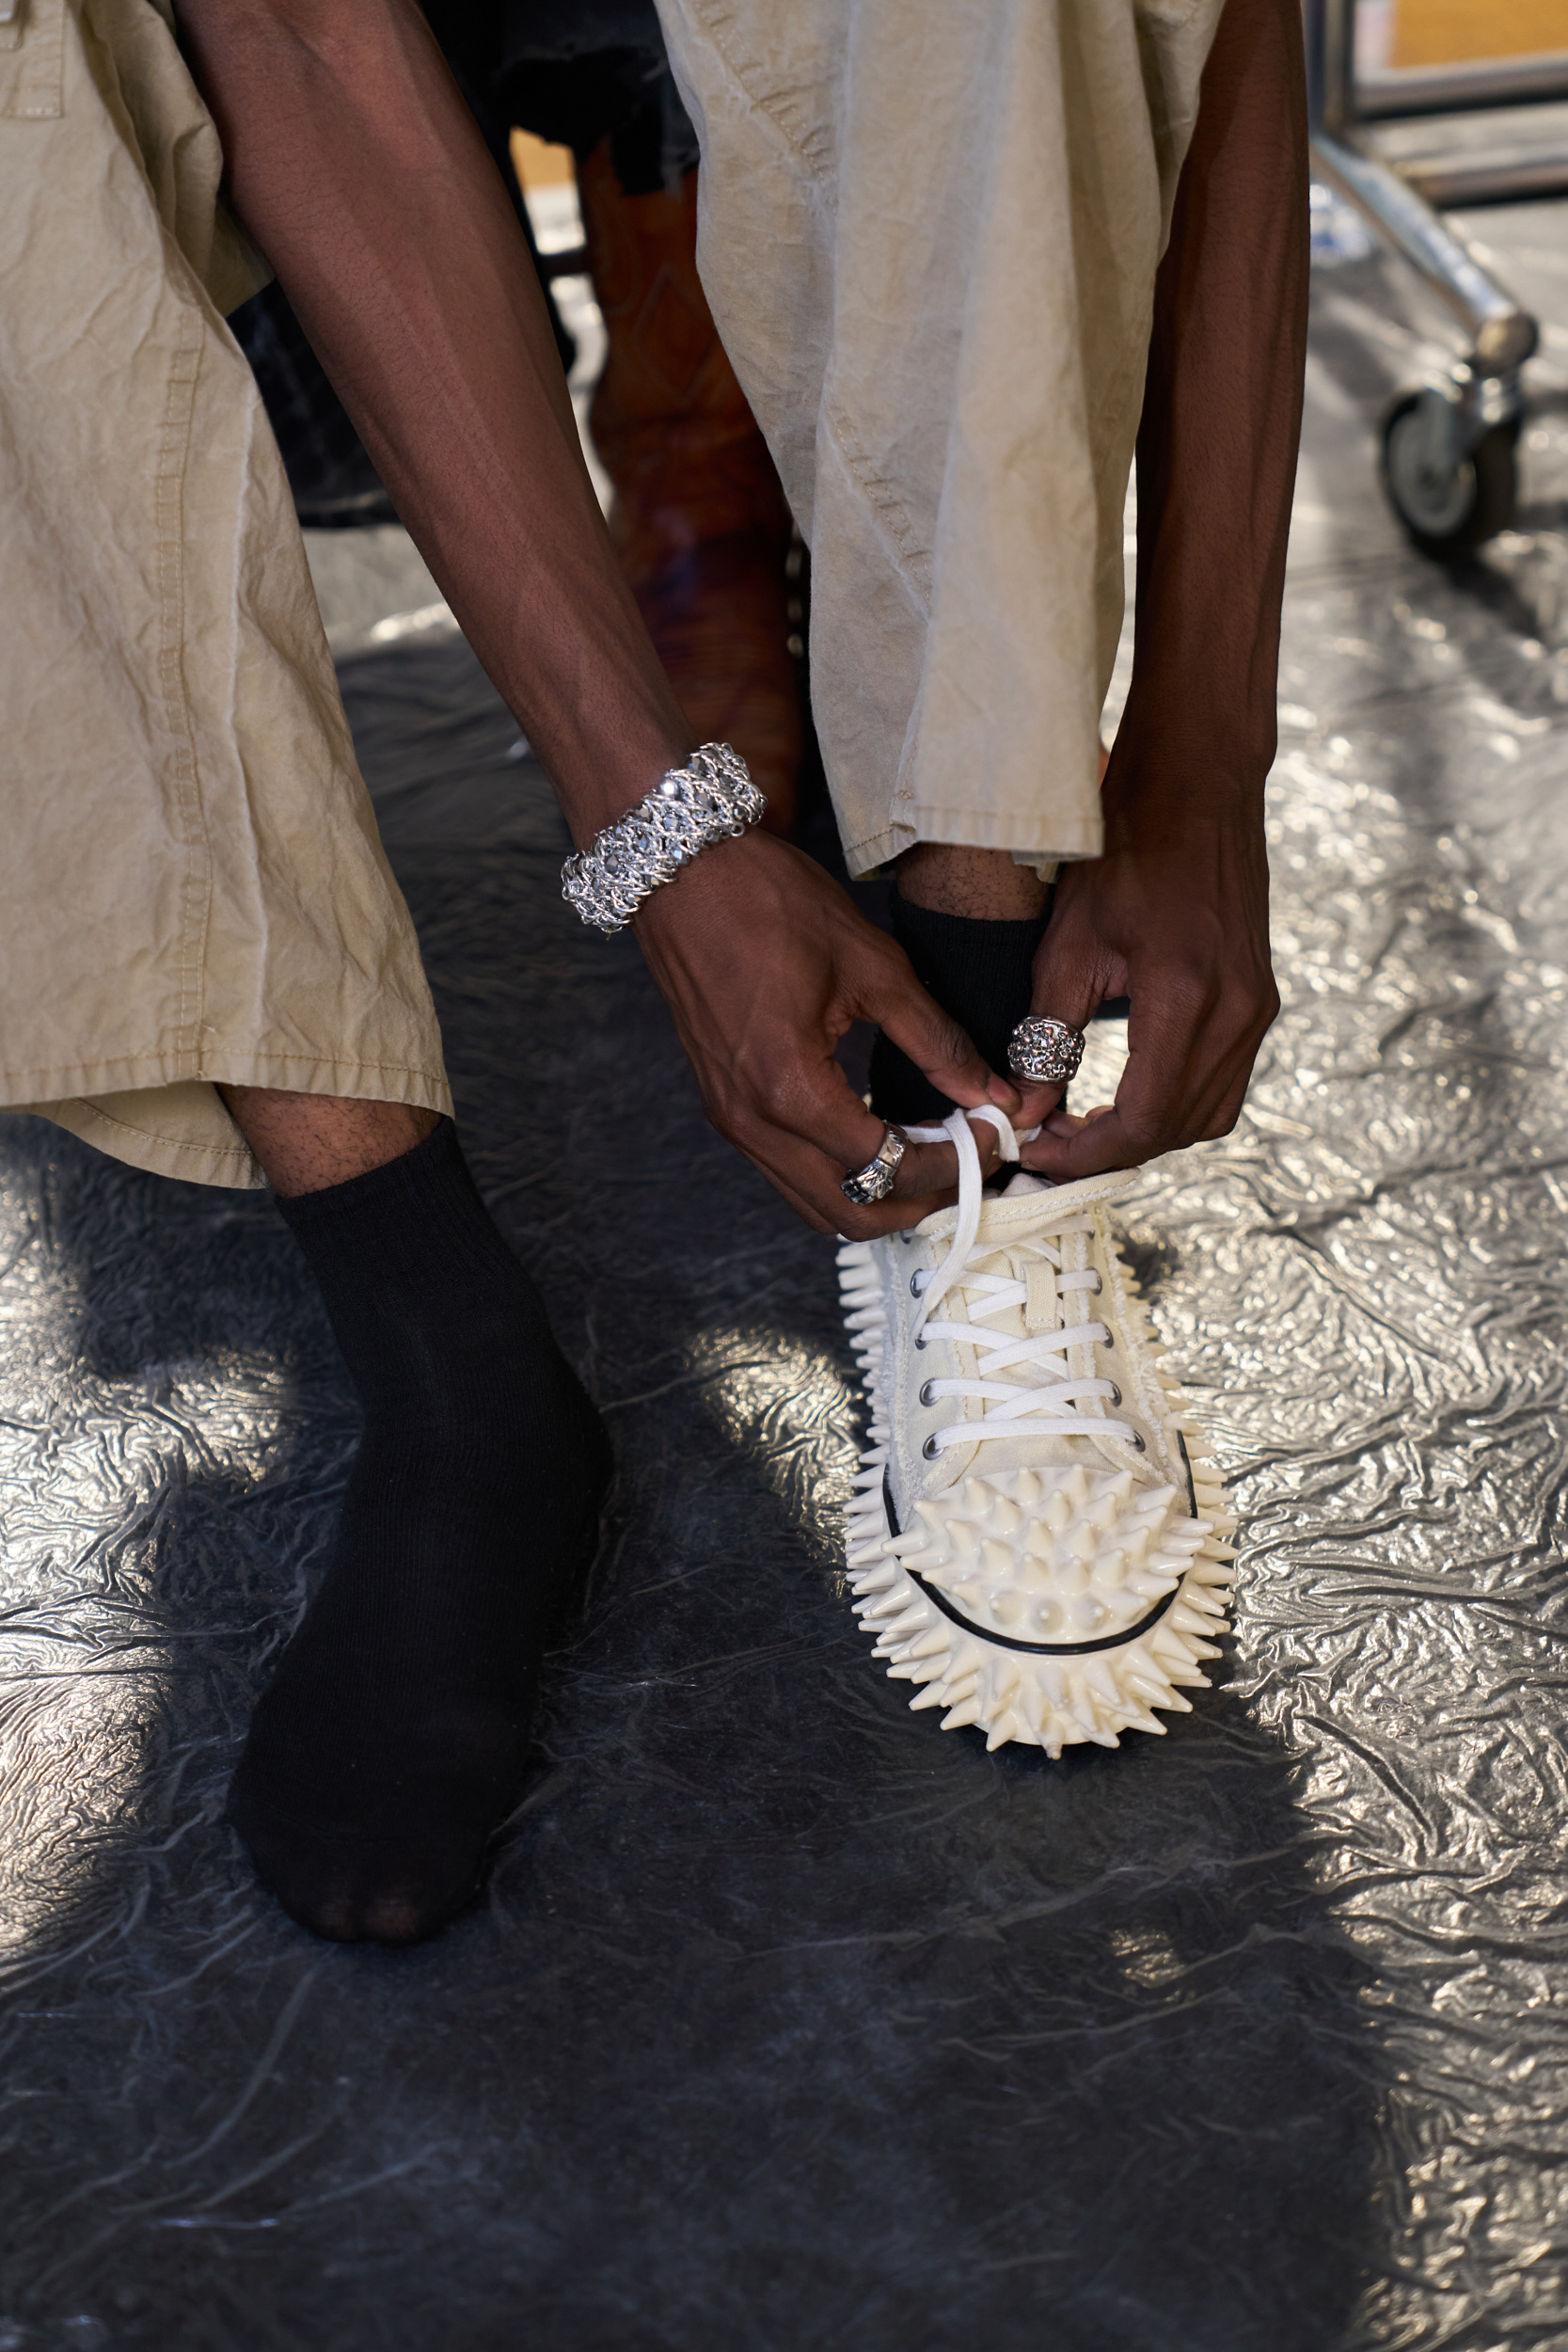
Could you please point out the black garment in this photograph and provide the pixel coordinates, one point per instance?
(978, 972)
(572, 71)
(391, 1741)
(334, 483)
(576, 72)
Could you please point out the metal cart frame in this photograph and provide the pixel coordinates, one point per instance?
(1449, 448)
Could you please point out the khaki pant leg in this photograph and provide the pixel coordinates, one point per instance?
(930, 233)
(192, 889)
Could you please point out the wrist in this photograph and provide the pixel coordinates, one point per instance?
(1195, 728)
(1162, 783)
(711, 799)
(1184, 823)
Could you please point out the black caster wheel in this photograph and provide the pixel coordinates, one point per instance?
(1451, 509)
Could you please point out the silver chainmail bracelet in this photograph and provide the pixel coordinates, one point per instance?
(711, 799)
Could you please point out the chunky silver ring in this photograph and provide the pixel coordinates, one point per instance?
(1044, 1051)
(874, 1181)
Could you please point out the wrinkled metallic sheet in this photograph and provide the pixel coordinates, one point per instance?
(790, 2021)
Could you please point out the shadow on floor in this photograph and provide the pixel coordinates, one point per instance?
(789, 2021)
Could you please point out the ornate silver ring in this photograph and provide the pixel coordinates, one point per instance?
(1044, 1051)
(874, 1181)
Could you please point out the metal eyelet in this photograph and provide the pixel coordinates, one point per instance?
(920, 1340)
(930, 1449)
(926, 1396)
(914, 1283)
(1116, 1396)
(1109, 1340)
(1099, 1281)
(1139, 1443)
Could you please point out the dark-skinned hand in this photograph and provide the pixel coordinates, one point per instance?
(1175, 916)
(766, 962)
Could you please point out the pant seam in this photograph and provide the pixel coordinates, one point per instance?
(199, 1076)
(169, 513)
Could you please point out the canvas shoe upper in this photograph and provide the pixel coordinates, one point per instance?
(1035, 1538)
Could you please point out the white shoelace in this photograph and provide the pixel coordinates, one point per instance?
(1046, 1405)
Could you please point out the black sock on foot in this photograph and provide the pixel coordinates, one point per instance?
(980, 973)
(391, 1741)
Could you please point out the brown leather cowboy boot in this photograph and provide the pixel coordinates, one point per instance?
(699, 520)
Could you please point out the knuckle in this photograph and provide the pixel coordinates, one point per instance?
(731, 1120)
(1148, 1136)
(1222, 1122)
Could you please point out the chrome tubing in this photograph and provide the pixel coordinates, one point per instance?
(1503, 335)
(1403, 93)
(1330, 30)
(1488, 179)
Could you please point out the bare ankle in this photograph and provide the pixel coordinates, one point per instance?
(306, 1142)
(950, 878)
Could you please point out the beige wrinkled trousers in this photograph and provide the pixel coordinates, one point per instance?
(191, 885)
(930, 230)
(929, 237)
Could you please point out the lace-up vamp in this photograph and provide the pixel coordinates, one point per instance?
(1036, 1537)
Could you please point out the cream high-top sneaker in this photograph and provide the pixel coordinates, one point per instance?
(1034, 1539)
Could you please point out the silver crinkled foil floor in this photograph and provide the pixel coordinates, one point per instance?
(791, 2022)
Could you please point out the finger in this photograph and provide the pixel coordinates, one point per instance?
(927, 1175)
(809, 1181)
(1173, 1091)
(806, 1210)
(1098, 1145)
(936, 1044)
(1225, 1118)
(935, 1166)
(818, 1106)
(1068, 1122)
(1071, 982)
(1160, 1107)
(1135, 1127)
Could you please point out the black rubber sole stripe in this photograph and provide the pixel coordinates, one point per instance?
(1187, 1466)
(1006, 1641)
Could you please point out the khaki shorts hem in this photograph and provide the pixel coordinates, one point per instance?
(977, 828)
(293, 1073)
(230, 1166)
(183, 1129)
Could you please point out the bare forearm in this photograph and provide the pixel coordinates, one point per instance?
(355, 164)
(1222, 416)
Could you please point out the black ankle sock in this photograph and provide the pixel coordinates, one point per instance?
(980, 973)
(391, 1741)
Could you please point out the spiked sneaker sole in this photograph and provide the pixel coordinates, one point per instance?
(1048, 1602)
